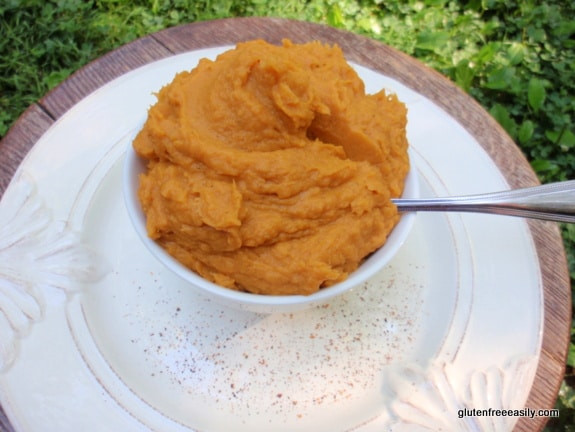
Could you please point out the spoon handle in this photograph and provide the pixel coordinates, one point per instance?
(553, 201)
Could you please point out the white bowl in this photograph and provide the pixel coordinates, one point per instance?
(134, 165)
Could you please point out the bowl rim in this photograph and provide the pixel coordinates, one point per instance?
(133, 165)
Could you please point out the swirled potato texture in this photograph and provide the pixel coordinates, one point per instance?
(270, 170)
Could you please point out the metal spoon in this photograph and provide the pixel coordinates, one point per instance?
(553, 202)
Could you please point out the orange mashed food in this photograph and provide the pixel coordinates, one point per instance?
(270, 170)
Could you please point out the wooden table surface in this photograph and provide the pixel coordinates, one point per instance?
(506, 155)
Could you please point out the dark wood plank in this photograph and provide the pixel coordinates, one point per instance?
(489, 134)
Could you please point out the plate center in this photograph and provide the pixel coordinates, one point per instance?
(205, 366)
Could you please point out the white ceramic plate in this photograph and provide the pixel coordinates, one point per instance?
(96, 335)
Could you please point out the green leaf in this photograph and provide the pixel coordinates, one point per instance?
(565, 28)
(567, 140)
(487, 53)
(434, 3)
(542, 165)
(571, 355)
(536, 93)
(516, 53)
(335, 16)
(4, 122)
(56, 77)
(501, 114)
(567, 395)
(536, 34)
(432, 40)
(525, 131)
(500, 79)
(564, 138)
(464, 75)
(553, 136)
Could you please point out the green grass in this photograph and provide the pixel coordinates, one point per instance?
(517, 58)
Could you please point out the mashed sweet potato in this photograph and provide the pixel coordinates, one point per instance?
(270, 170)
